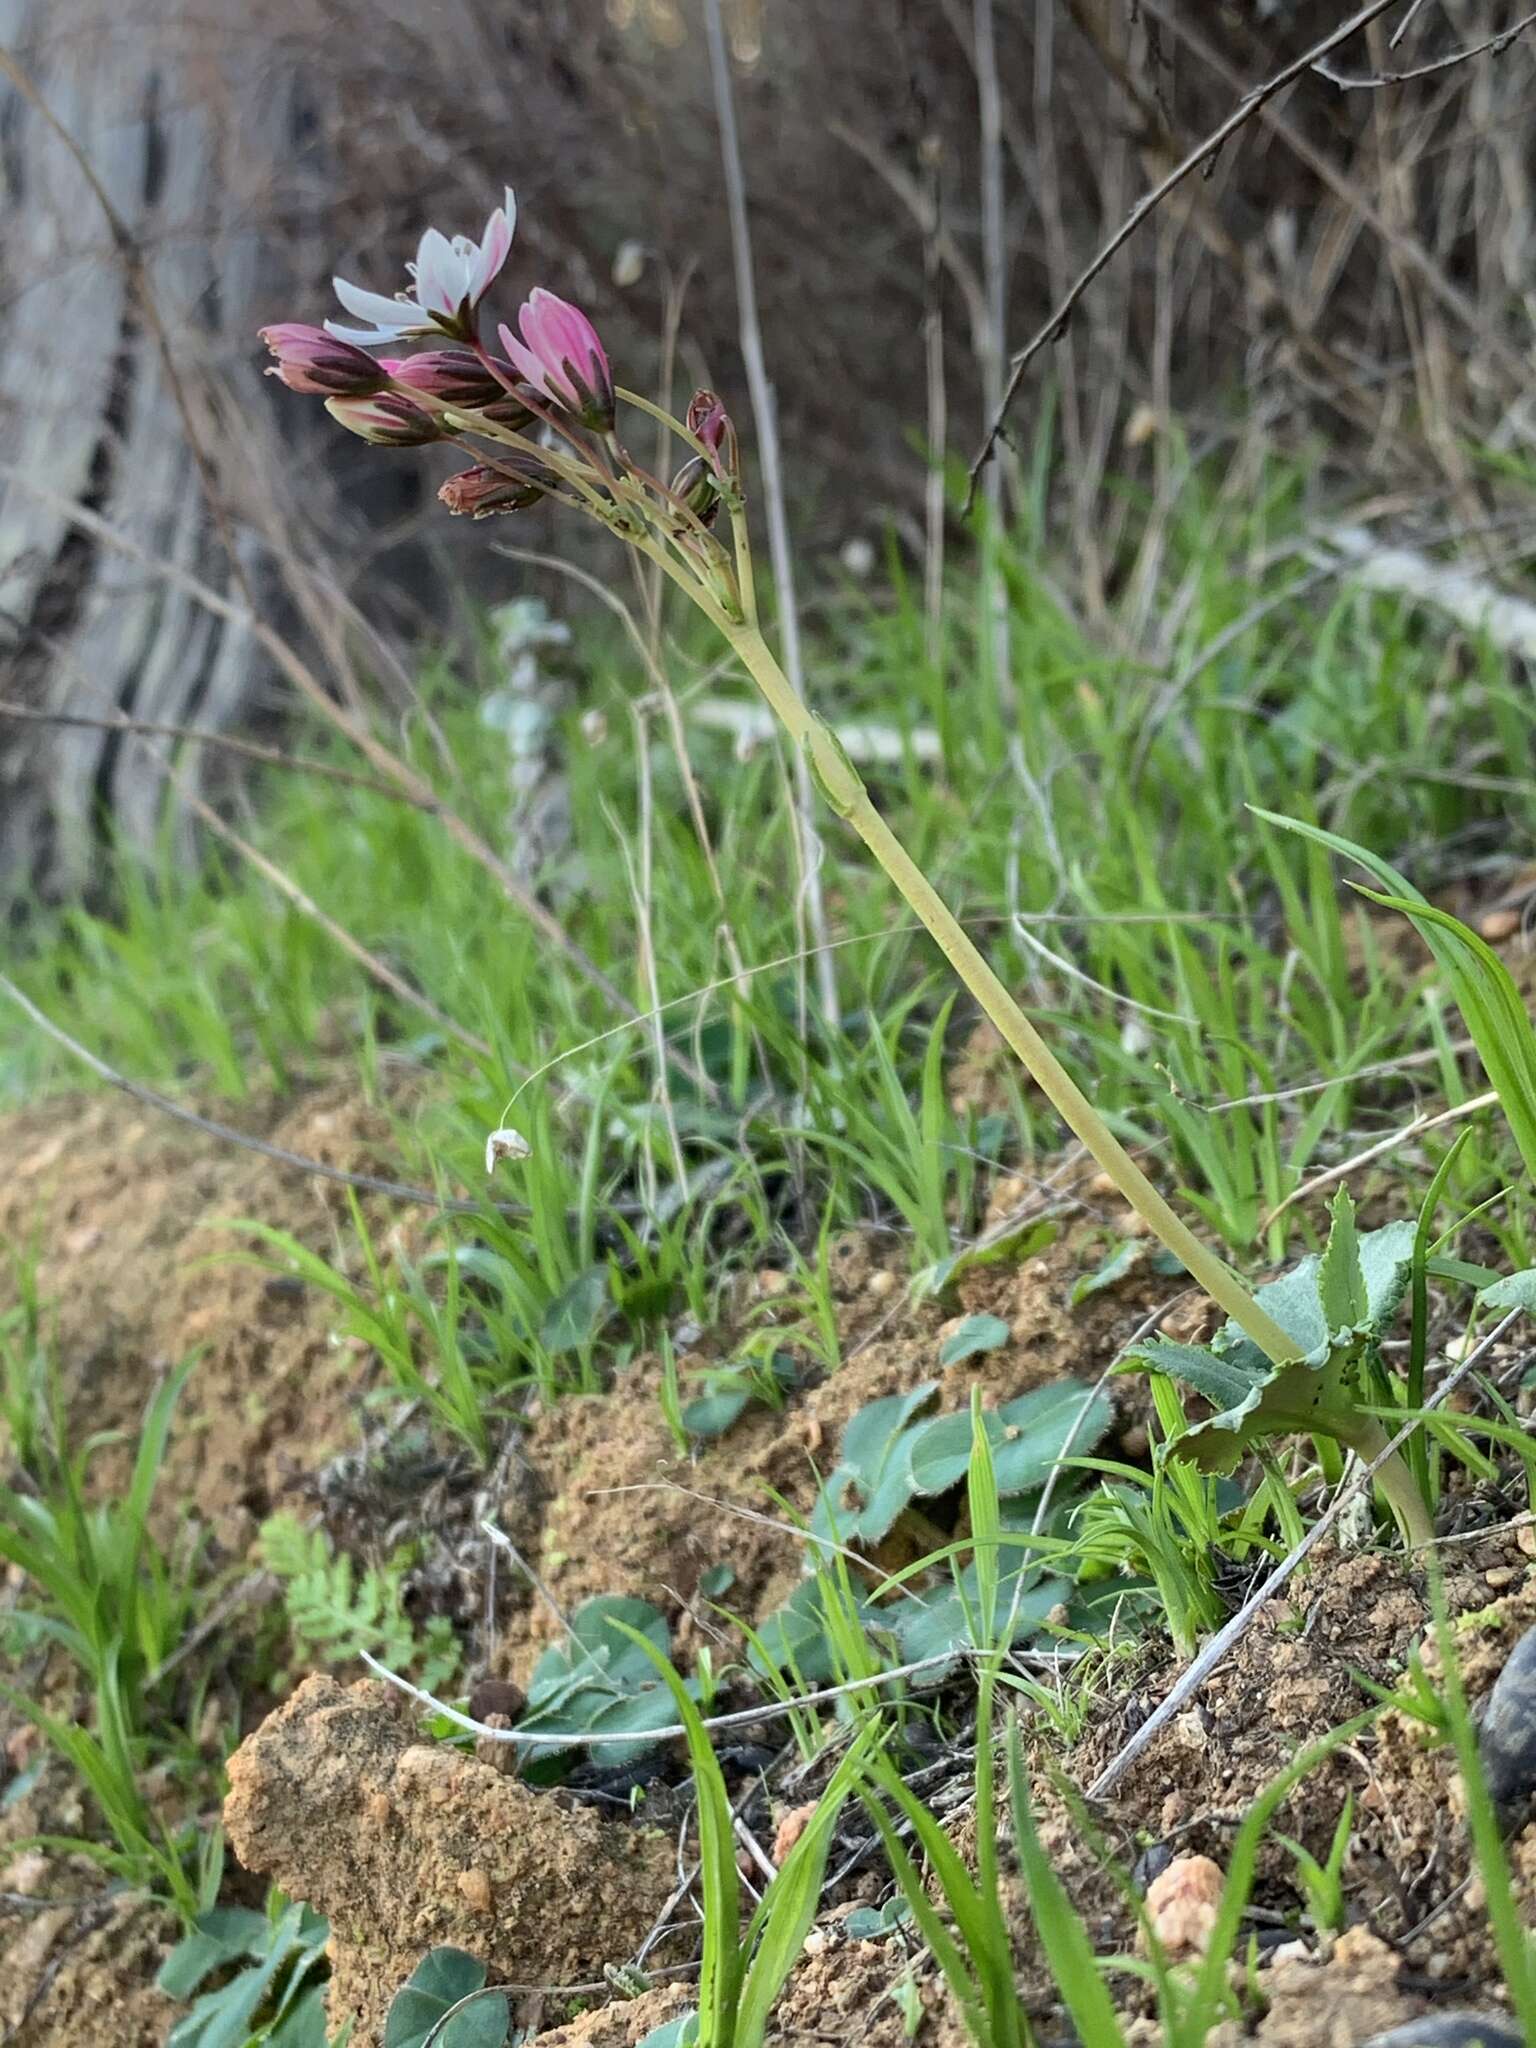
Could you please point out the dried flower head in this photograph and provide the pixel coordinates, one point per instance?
(484, 488)
(505, 1144)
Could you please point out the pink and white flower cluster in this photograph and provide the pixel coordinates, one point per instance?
(538, 413)
(554, 365)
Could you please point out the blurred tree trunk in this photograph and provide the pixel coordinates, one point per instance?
(90, 415)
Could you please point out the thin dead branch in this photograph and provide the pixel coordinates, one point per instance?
(1201, 155)
(1373, 81)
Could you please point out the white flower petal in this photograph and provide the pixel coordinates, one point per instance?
(371, 305)
(363, 337)
(505, 1144)
(441, 274)
(495, 247)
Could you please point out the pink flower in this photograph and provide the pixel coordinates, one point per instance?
(482, 490)
(562, 358)
(387, 419)
(448, 281)
(309, 359)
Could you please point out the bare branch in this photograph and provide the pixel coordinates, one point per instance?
(1201, 154)
(765, 414)
(249, 750)
(1373, 81)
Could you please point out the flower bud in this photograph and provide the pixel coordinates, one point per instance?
(481, 491)
(509, 410)
(562, 358)
(310, 360)
(695, 486)
(456, 375)
(708, 419)
(387, 419)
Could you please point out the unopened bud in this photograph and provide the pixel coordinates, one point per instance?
(455, 375)
(711, 423)
(482, 490)
(696, 487)
(509, 410)
(387, 419)
(310, 360)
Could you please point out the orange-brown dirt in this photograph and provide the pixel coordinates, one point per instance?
(120, 1205)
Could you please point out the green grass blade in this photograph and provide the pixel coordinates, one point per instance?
(779, 1926)
(720, 1971)
(1062, 1933)
(1484, 990)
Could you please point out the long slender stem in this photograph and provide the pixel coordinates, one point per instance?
(849, 797)
(1364, 1435)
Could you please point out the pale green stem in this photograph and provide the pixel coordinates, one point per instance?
(846, 793)
(1364, 1435)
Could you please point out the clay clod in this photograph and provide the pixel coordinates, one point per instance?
(540, 1891)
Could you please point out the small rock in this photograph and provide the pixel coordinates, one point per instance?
(1507, 1739)
(1191, 1730)
(1150, 1865)
(791, 1827)
(497, 1696)
(1501, 1575)
(1290, 1952)
(27, 1874)
(1525, 1537)
(1499, 924)
(771, 1282)
(1182, 1905)
(1449, 2030)
(881, 1284)
(476, 1889)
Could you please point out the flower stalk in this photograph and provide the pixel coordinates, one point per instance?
(554, 381)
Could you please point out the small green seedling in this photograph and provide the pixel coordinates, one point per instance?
(1322, 1884)
(728, 1390)
(974, 1335)
(600, 1680)
(334, 1614)
(1415, 1696)
(273, 1969)
(874, 1923)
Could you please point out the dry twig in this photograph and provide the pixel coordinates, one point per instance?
(1202, 154)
